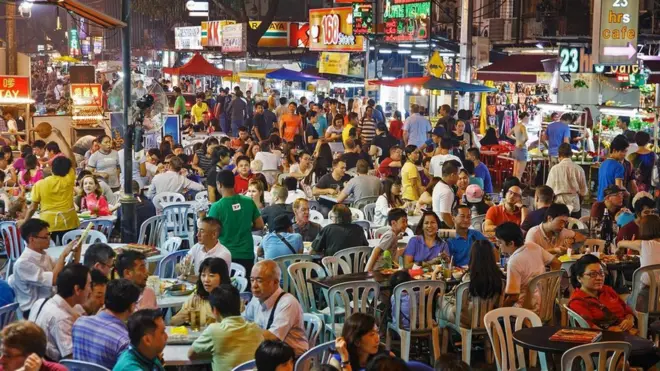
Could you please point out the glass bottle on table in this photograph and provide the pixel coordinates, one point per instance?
(607, 231)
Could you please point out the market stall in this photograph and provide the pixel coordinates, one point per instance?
(196, 66)
(293, 83)
(15, 100)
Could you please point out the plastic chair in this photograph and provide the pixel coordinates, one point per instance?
(378, 233)
(300, 274)
(202, 197)
(574, 319)
(369, 211)
(8, 314)
(256, 242)
(241, 283)
(357, 214)
(284, 262)
(180, 219)
(364, 201)
(247, 366)
(595, 245)
(152, 231)
(351, 297)
(74, 365)
(315, 357)
(366, 226)
(93, 236)
(333, 264)
(575, 224)
(315, 216)
(548, 285)
(652, 274)
(477, 221)
(314, 205)
(14, 245)
(237, 270)
(501, 338)
(620, 351)
(313, 328)
(167, 197)
(188, 150)
(171, 245)
(104, 226)
(422, 295)
(167, 266)
(356, 257)
(476, 326)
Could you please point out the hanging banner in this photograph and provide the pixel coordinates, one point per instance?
(332, 30)
(188, 38)
(14, 87)
(407, 22)
(615, 31)
(234, 38)
(85, 46)
(278, 35)
(334, 63)
(86, 95)
(74, 43)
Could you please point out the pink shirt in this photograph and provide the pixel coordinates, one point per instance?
(147, 300)
(37, 177)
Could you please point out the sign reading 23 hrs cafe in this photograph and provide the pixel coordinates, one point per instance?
(330, 30)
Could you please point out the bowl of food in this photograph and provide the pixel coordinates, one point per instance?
(181, 289)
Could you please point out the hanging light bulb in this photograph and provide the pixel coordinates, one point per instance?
(58, 24)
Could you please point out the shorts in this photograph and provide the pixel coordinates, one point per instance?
(520, 154)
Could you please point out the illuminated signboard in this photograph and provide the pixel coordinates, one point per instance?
(234, 38)
(13, 88)
(407, 22)
(615, 31)
(74, 43)
(278, 35)
(86, 95)
(332, 30)
(188, 38)
(569, 59)
(363, 18)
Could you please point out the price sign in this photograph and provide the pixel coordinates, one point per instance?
(569, 59)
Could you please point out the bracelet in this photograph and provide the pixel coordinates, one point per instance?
(346, 363)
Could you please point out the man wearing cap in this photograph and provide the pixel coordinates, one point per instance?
(612, 201)
(281, 240)
(611, 171)
(415, 128)
(383, 140)
(510, 210)
(434, 142)
(459, 246)
(568, 181)
(474, 197)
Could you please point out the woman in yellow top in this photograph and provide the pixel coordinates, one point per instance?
(212, 273)
(55, 194)
(290, 123)
(410, 179)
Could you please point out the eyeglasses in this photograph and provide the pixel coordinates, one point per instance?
(46, 237)
(595, 274)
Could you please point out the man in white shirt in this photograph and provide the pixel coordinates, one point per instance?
(286, 323)
(568, 180)
(208, 246)
(172, 181)
(35, 272)
(443, 197)
(552, 234)
(56, 315)
(438, 160)
(526, 261)
(269, 160)
(140, 90)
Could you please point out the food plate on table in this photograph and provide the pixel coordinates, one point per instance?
(181, 335)
(144, 249)
(181, 289)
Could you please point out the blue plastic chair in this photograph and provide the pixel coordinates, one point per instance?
(104, 226)
(247, 366)
(94, 236)
(8, 314)
(74, 365)
(166, 267)
(319, 355)
(180, 219)
(152, 231)
(14, 245)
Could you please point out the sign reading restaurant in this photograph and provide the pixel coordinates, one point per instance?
(332, 30)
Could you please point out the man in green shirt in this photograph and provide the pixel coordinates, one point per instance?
(179, 103)
(238, 216)
(231, 340)
(146, 329)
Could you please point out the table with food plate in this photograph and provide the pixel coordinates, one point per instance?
(179, 341)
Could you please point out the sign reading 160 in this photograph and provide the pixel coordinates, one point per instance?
(330, 25)
(570, 60)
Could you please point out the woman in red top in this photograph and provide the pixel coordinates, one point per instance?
(243, 175)
(92, 199)
(396, 126)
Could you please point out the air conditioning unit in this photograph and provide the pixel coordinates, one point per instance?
(500, 29)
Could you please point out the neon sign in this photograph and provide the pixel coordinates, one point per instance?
(407, 22)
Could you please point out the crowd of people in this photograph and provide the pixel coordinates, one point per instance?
(263, 178)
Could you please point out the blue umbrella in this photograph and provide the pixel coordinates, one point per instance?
(461, 87)
(289, 75)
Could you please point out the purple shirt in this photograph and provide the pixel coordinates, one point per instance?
(421, 253)
(19, 164)
(99, 339)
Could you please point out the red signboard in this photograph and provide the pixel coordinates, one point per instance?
(14, 87)
(86, 95)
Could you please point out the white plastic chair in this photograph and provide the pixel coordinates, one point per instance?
(574, 319)
(167, 197)
(369, 211)
(202, 197)
(652, 274)
(357, 214)
(315, 357)
(171, 245)
(152, 231)
(595, 245)
(241, 283)
(421, 297)
(256, 242)
(476, 326)
(501, 338)
(92, 237)
(477, 222)
(575, 224)
(313, 327)
(315, 216)
(74, 365)
(180, 219)
(378, 233)
(237, 270)
(334, 264)
(547, 285)
(356, 257)
(300, 274)
(620, 351)
(348, 298)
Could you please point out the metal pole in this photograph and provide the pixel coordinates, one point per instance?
(128, 201)
(12, 44)
(466, 49)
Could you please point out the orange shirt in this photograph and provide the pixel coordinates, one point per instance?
(498, 215)
(292, 124)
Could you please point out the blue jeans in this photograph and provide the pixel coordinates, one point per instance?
(223, 123)
(235, 124)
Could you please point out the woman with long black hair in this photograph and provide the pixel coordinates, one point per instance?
(358, 344)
